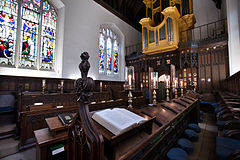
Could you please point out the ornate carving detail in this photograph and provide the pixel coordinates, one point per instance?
(85, 141)
(84, 86)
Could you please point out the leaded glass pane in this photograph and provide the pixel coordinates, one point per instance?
(110, 33)
(101, 53)
(109, 55)
(8, 27)
(37, 2)
(29, 36)
(46, 5)
(48, 39)
(115, 64)
(31, 6)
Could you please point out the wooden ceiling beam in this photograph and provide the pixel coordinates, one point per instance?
(138, 8)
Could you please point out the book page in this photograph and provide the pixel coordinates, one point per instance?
(136, 118)
(113, 120)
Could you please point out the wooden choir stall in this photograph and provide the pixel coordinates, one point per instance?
(85, 138)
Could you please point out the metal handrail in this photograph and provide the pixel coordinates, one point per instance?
(210, 30)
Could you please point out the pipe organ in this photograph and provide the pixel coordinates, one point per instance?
(165, 20)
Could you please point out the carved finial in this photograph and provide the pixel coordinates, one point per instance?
(84, 65)
(84, 85)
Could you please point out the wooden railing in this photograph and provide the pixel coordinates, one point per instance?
(206, 31)
(232, 84)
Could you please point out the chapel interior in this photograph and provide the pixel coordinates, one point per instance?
(119, 79)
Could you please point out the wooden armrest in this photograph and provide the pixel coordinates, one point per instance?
(234, 156)
(232, 124)
(228, 116)
(40, 107)
(235, 134)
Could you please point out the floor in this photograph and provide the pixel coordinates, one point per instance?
(29, 154)
(7, 122)
(204, 148)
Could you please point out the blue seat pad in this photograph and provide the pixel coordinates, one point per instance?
(225, 146)
(220, 123)
(186, 145)
(8, 108)
(191, 134)
(194, 127)
(177, 154)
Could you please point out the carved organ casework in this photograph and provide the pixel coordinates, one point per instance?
(85, 141)
(165, 20)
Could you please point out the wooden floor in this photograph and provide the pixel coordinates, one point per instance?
(205, 147)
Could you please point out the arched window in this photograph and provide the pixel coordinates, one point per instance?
(8, 24)
(36, 31)
(108, 52)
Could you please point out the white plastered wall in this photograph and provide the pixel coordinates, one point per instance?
(205, 12)
(233, 35)
(78, 25)
(82, 21)
(59, 50)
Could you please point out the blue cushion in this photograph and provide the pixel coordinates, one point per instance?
(225, 146)
(177, 154)
(201, 119)
(224, 132)
(194, 127)
(220, 123)
(191, 135)
(186, 145)
(213, 104)
(8, 108)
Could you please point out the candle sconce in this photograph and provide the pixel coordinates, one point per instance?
(194, 86)
(61, 86)
(154, 85)
(181, 86)
(100, 86)
(129, 83)
(167, 86)
(175, 86)
(43, 85)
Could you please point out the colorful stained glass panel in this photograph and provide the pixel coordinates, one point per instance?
(8, 24)
(32, 6)
(109, 55)
(101, 53)
(46, 5)
(28, 57)
(115, 60)
(48, 39)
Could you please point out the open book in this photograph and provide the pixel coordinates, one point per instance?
(117, 120)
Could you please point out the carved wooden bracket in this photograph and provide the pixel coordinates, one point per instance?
(85, 141)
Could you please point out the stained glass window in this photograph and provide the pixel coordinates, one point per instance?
(48, 36)
(115, 61)
(29, 35)
(108, 52)
(37, 33)
(101, 53)
(109, 55)
(8, 27)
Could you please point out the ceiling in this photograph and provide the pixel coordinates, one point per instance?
(130, 11)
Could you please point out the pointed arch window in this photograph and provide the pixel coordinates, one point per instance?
(108, 52)
(35, 47)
